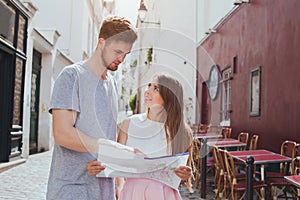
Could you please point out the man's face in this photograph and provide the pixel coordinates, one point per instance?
(114, 53)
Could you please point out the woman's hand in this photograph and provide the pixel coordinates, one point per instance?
(183, 172)
(94, 167)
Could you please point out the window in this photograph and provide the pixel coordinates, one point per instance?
(7, 21)
(255, 92)
(22, 33)
(13, 37)
(226, 97)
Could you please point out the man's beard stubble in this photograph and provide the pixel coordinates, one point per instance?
(108, 66)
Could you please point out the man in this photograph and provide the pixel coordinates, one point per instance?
(84, 109)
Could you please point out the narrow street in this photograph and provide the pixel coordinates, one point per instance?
(28, 181)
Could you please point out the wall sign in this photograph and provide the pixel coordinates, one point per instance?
(213, 82)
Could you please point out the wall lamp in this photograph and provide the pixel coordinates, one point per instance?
(210, 30)
(238, 2)
(142, 14)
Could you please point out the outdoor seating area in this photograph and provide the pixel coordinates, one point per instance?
(223, 161)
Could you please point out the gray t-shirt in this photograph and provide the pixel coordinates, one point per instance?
(95, 101)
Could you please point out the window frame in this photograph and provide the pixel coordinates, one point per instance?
(226, 97)
(255, 90)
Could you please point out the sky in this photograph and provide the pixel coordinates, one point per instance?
(128, 9)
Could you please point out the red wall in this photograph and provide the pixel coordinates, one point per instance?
(262, 33)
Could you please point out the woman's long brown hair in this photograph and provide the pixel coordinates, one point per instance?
(171, 91)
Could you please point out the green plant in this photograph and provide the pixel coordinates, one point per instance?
(123, 92)
(149, 55)
(132, 102)
(134, 63)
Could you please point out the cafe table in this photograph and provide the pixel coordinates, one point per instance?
(295, 180)
(204, 137)
(261, 157)
(225, 143)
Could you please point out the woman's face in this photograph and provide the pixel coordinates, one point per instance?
(152, 95)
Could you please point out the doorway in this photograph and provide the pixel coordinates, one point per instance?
(6, 88)
(35, 101)
(205, 105)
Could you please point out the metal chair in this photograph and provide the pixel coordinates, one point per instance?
(297, 150)
(276, 180)
(220, 190)
(215, 152)
(195, 128)
(226, 132)
(253, 142)
(196, 162)
(243, 137)
(287, 149)
(295, 170)
(237, 185)
(204, 128)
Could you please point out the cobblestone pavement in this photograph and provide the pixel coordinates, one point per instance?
(186, 195)
(28, 181)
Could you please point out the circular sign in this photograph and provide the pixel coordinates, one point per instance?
(213, 82)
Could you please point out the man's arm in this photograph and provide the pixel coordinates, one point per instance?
(66, 135)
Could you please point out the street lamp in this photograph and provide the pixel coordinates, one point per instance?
(238, 2)
(210, 30)
(142, 11)
(142, 14)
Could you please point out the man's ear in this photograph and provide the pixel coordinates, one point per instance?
(101, 42)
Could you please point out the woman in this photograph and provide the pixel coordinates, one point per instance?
(158, 132)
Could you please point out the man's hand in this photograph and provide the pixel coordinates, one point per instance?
(138, 152)
(94, 167)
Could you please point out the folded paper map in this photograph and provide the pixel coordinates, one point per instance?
(121, 161)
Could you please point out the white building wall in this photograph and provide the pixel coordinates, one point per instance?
(183, 24)
(62, 39)
(44, 129)
(27, 92)
(174, 45)
(209, 13)
(74, 25)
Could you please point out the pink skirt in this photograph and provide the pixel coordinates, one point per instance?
(147, 189)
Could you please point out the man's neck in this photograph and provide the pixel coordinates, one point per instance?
(97, 67)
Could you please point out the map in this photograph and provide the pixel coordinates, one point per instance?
(121, 161)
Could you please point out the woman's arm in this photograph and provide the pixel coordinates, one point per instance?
(122, 135)
(122, 139)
